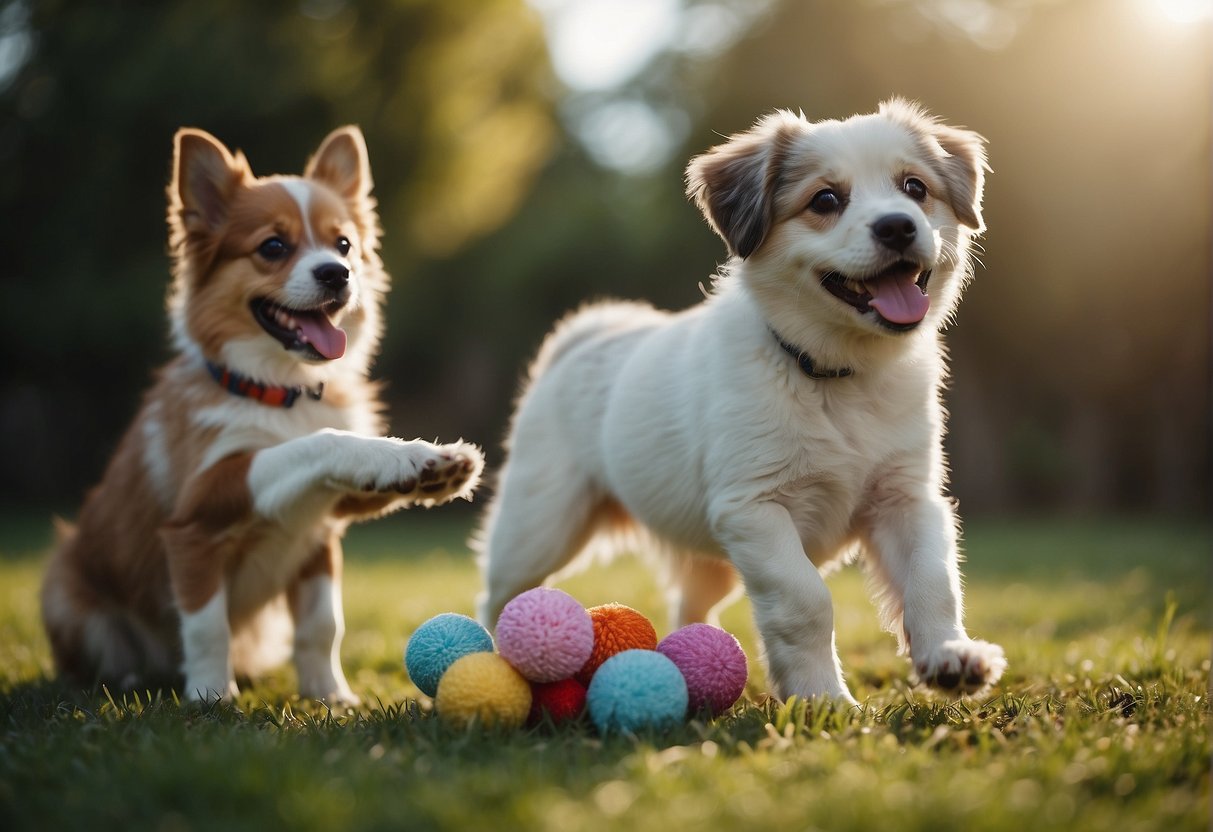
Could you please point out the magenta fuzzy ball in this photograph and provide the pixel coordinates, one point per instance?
(711, 661)
(545, 634)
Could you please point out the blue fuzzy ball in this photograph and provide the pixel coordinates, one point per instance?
(438, 643)
(637, 689)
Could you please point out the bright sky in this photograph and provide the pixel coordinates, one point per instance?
(1186, 11)
(599, 44)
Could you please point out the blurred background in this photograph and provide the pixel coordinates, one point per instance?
(528, 156)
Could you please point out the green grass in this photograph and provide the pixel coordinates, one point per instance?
(1101, 722)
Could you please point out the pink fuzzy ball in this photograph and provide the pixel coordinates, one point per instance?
(545, 634)
(711, 661)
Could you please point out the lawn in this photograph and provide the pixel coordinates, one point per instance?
(1102, 721)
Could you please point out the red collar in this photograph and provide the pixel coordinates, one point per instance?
(271, 395)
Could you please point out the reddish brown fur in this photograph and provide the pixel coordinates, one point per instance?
(166, 527)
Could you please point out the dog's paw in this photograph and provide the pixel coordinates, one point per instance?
(198, 691)
(961, 667)
(339, 697)
(452, 471)
(429, 474)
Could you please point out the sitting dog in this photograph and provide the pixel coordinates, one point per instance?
(789, 421)
(216, 529)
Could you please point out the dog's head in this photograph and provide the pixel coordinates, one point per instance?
(859, 226)
(277, 277)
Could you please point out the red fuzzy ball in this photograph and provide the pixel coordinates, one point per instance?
(563, 701)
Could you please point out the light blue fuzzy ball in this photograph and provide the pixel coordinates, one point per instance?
(437, 644)
(637, 689)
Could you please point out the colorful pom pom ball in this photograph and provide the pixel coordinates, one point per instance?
(545, 634)
(616, 628)
(439, 643)
(636, 689)
(711, 661)
(561, 701)
(483, 688)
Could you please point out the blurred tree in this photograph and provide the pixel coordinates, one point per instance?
(1080, 357)
(452, 96)
(1081, 377)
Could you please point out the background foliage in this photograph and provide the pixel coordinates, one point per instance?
(512, 191)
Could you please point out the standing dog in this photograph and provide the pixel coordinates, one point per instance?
(791, 419)
(217, 524)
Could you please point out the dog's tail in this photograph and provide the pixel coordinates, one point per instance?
(602, 318)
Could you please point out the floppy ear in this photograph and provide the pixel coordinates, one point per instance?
(963, 168)
(734, 183)
(343, 164)
(205, 176)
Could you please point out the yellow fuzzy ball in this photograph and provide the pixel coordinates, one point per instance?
(484, 687)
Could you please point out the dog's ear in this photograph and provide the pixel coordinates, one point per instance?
(734, 183)
(343, 164)
(205, 176)
(963, 168)
(959, 158)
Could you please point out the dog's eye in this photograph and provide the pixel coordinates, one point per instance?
(914, 188)
(275, 248)
(343, 246)
(825, 202)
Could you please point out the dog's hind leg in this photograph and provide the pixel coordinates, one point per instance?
(540, 518)
(701, 586)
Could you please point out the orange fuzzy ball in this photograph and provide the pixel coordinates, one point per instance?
(616, 628)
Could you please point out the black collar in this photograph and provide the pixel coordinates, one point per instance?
(806, 363)
(270, 395)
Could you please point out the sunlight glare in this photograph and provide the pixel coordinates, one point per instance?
(1185, 11)
(600, 44)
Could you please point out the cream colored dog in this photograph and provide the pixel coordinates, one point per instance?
(790, 420)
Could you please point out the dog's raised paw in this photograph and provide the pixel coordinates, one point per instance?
(450, 471)
(961, 666)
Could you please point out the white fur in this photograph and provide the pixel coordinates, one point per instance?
(301, 192)
(300, 475)
(206, 642)
(320, 625)
(708, 434)
(156, 459)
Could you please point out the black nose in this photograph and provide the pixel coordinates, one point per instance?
(897, 231)
(332, 275)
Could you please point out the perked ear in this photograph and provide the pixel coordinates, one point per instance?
(205, 176)
(734, 183)
(342, 164)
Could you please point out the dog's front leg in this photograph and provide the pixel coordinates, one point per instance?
(792, 606)
(306, 477)
(200, 539)
(315, 601)
(913, 540)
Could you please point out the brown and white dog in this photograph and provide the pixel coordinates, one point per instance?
(788, 422)
(217, 524)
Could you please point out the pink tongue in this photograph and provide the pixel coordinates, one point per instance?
(898, 299)
(328, 340)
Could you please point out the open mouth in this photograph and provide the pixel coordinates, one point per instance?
(309, 331)
(897, 294)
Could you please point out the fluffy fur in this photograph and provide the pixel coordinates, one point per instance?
(850, 244)
(212, 544)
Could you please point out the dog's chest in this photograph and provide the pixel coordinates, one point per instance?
(270, 564)
(240, 426)
(834, 456)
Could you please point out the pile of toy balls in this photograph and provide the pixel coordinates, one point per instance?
(557, 660)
